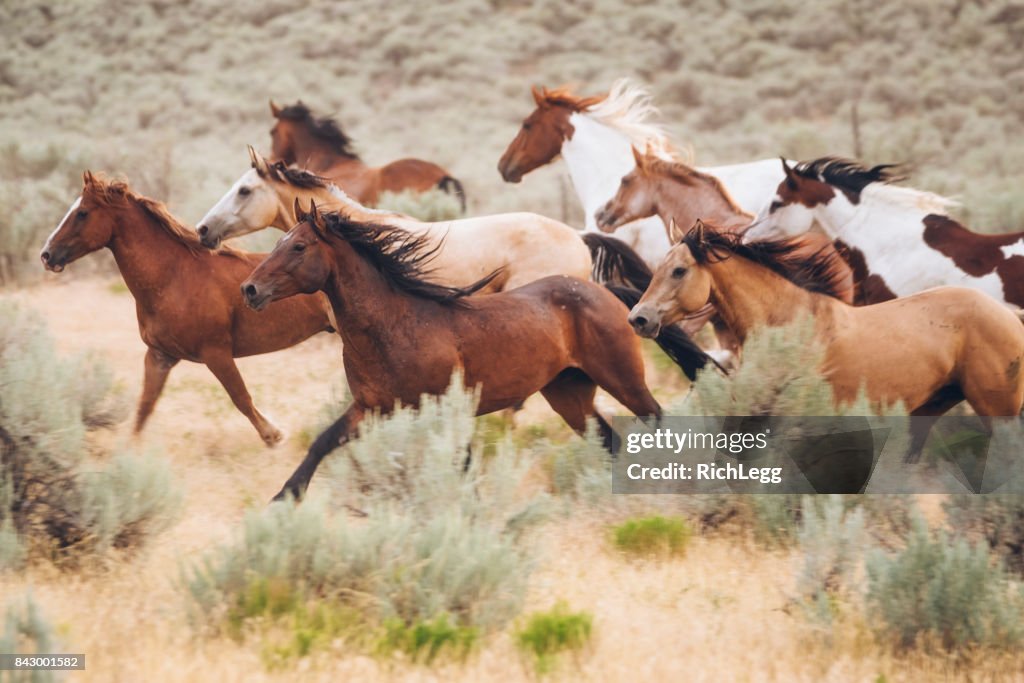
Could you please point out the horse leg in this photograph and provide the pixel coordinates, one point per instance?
(927, 415)
(332, 437)
(158, 366)
(571, 395)
(223, 367)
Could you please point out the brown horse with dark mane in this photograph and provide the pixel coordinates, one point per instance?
(186, 296)
(319, 145)
(404, 336)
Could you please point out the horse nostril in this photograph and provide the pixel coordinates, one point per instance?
(639, 321)
(45, 256)
(202, 230)
(249, 291)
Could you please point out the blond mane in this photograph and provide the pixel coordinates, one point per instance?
(628, 109)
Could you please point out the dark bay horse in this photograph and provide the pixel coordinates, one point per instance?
(404, 336)
(319, 145)
(186, 297)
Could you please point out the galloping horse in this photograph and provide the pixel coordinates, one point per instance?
(404, 336)
(594, 136)
(900, 240)
(319, 145)
(527, 246)
(186, 297)
(946, 344)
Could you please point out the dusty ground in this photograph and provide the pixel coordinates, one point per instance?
(715, 615)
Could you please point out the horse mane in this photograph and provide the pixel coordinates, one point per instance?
(688, 175)
(117, 194)
(854, 178)
(400, 256)
(323, 128)
(303, 179)
(628, 109)
(815, 273)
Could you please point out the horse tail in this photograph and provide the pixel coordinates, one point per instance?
(451, 185)
(615, 262)
(676, 344)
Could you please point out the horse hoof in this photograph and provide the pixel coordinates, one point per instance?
(273, 438)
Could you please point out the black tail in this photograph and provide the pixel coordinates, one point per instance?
(616, 263)
(452, 185)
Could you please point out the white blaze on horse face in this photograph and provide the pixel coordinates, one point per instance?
(74, 207)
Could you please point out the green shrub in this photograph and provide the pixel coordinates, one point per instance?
(433, 539)
(941, 593)
(26, 632)
(655, 536)
(48, 492)
(996, 519)
(545, 635)
(429, 206)
(425, 640)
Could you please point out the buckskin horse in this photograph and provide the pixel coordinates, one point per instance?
(186, 297)
(404, 336)
(594, 136)
(928, 351)
(900, 240)
(319, 145)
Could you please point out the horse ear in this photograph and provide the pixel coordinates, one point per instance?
(638, 157)
(538, 95)
(314, 215)
(698, 231)
(252, 156)
(88, 179)
(275, 110)
(299, 213)
(675, 234)
(790, 174)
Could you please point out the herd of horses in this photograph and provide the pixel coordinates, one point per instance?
(910, 307)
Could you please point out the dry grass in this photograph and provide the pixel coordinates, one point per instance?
(702, 617)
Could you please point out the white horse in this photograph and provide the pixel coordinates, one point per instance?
(902, 240)
(595, 136)
(526, 245)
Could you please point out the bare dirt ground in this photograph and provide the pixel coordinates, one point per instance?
(718, 614)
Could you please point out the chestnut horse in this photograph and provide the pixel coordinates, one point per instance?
(186, 297)
(403, 336)
(527, 246)
(319, 145)
(594, 135)
(928, 351)
(902, 240)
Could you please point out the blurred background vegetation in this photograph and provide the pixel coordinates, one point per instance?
(168, 93)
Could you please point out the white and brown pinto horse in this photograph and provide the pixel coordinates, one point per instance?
(525, 246)
(319, 145)
(594, 136)
(901, 240)
(928, 351)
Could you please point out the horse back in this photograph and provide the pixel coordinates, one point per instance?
(410, 174)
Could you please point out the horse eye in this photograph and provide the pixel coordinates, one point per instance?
(627, 181)
(678, 272)
(82, 213)
(775, 206)
(527, 126)
(299, 246)
(244, 191)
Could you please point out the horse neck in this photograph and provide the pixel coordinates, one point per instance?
(597, 156)
(149, 259)
(366, 306)
(748, 295)
(872, 225)
(675, 200)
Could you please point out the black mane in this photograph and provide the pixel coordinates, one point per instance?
(815, 273)
(324, 128)
(848, 176)
(296, 177)
(398, 255)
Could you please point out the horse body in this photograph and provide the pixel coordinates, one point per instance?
(526, 245)
(186, 298)
(595, 135)
(928, 351)
(903, 236)
(319, 145)
(404, 337)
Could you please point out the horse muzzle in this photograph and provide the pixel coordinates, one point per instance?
(606, 220)
(645, 322)
(53, 260)
(509, 173)
(255, 298)
(207, 238)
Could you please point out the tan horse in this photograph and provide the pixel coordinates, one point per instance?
(187, 298)
(526, 246)
(928, 351)
(319, 145)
